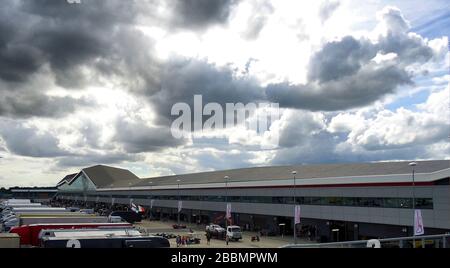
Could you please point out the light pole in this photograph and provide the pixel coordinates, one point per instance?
(295, 203)
(226, 178)
(151, 194)
(413, 165)
(178, 207)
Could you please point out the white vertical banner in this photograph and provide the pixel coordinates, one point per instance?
(131, 201)
(151, 203)
(113, 200)
(228, 212)
(418, 223)
(180, 206)
(297, 214)
(85, 198)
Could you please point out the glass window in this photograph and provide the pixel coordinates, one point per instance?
(348, 201)
(391, 202)
(424, 203)
(404, 202)
(374, 202)
(421, 203)
(277, 200)
(317, 201)
(334, 201)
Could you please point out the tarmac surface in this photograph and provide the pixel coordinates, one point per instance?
(154, 227)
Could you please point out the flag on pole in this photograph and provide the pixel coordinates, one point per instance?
(141, 209)
(418, 223)
(134, 208)
(112, 201)
(228, 212)
(180, 206)
(137, 208)
(297, 214)
(151, 203)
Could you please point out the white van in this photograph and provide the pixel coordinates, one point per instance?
(234, 232)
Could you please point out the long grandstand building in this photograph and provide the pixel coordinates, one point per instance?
(340, 201)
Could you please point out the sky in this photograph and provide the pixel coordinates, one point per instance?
(94, 83)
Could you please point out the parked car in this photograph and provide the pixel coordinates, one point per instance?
(194, 238)
(215, 228)
(179, 226)
(168, 236)
(216, 231)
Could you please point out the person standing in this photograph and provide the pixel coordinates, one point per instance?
(208, 238)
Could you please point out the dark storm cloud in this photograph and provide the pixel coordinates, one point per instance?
(362, 88)
(29, 141)
(93, 158)
(28, 104)
(200, 14)
(181, 79)
(73, 36)
(17, 58)
(324, 152)
(96, 36)
(136, 137)
(339, 59)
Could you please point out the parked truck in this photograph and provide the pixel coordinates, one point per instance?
(106, 242)
(29, 234)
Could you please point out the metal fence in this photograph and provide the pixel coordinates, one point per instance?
(426, 241)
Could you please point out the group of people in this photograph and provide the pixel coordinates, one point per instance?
(182, 241)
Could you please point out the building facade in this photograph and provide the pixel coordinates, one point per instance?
(338, 201)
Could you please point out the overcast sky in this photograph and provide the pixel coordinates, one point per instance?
(93, 83)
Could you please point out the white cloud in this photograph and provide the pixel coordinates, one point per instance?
(397, 129)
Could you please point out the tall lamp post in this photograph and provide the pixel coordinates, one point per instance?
(226, 178)
(295, 203)
(178, 207)
(151, 205)
(413, 165)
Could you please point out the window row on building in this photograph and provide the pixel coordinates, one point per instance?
(421, 203)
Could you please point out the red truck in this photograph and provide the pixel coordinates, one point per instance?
(29, 234)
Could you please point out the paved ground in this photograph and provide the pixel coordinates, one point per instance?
(154, 227)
